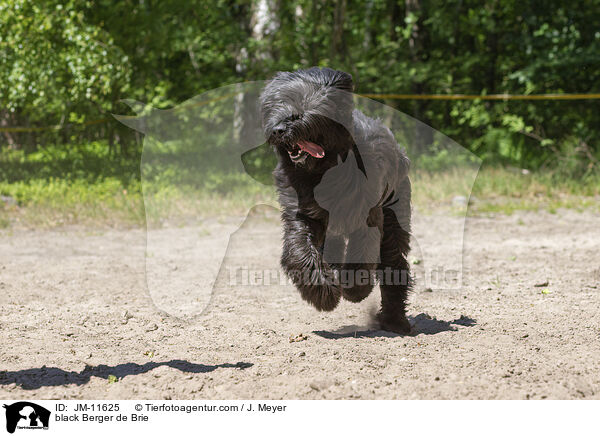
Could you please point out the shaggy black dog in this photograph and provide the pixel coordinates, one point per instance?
(344, 191)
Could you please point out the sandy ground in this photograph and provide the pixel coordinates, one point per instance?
(76, 309)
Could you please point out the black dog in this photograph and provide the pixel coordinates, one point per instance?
(345, 194)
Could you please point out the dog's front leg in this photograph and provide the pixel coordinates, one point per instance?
(302, 261)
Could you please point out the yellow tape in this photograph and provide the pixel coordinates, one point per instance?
(502, 97)
(483, 97)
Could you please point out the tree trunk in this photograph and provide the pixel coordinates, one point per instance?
(315, 18)
(4, 122)
(416, 44)
(338, 43)
(395, 18)
(261, 24)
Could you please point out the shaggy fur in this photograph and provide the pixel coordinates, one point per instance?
(344, 191)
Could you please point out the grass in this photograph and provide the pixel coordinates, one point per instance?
(499, 190)
(506, 190)
(54, 187)
(84, 185)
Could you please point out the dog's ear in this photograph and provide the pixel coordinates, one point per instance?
(343, 81)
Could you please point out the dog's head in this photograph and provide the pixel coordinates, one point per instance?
(307, 116)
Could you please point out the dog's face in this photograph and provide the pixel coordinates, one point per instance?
(307, 117)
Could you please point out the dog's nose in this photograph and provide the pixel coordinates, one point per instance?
(279, 130)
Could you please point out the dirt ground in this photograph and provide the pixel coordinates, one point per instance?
(76, 310)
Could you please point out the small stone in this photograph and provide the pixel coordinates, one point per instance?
(152, 327)
(298, 338)
(320, 384)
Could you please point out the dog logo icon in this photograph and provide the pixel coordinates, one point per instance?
(26, 415)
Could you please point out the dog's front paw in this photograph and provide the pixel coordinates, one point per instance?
(396, 323)
(320, 287)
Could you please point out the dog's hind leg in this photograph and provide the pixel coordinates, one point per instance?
(395, 280)
(357, 281)
(357, 274)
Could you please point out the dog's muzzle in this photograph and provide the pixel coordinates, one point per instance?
(300, 151)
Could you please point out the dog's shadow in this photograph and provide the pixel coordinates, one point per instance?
(36, 378)
(422, 324)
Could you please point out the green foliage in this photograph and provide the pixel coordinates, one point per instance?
(89, 162)
(69, 63)
(56, 66)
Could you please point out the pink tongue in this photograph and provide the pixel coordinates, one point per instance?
(311, 148)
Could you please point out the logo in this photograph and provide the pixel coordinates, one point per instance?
(26, 415)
